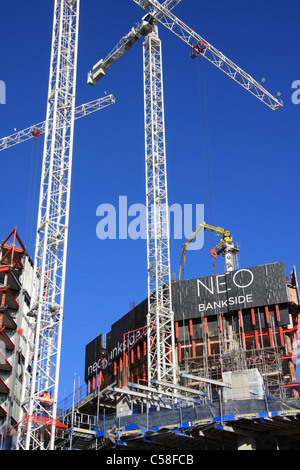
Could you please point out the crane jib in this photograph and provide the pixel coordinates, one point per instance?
(200, 47)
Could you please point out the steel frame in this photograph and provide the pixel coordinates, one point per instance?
(44, 342)
(161, 338)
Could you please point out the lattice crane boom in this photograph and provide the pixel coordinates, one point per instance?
(199, 46)
(143, 28)
(37, 130)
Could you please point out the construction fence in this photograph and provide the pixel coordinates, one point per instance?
(181, 416)
(143, 417)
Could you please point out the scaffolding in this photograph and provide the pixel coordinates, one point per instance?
(226, 346)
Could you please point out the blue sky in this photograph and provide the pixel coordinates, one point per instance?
(225, 149)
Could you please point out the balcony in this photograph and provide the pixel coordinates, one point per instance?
(12, 280)
(2, 412)
(7, 341)
(8, 321)
(4, 364)
(8, 299)
(3, 387)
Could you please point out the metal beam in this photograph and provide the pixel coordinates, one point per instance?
(154, 391)
(205, 380)
(179, 387)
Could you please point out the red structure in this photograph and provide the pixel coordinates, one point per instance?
(14, 287)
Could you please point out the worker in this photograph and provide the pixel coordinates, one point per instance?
(35, 133)
(46, 400)
(198, 49)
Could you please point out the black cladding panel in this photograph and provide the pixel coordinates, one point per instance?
(241, 289)
(93, 354)
(136, 318)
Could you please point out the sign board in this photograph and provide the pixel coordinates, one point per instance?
(241, 289)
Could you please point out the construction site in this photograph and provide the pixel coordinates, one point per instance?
(202, 363)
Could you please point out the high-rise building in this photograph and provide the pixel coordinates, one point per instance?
(16, 272)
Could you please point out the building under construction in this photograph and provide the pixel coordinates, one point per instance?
(236, 357)
(216, 356)
(16, 271)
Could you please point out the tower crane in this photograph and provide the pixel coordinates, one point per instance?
(161, 352)
(161, 335)
(226, 247)
(37, 130)
(38, 429)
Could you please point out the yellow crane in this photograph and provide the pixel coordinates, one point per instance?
(225, 247)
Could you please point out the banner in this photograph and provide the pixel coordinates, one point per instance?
(242, 289)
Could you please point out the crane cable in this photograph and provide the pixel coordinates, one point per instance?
(206, 153)
(205, 141)
(32, 196)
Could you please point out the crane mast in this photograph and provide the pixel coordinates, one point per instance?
(161, 346)
(39, 426)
